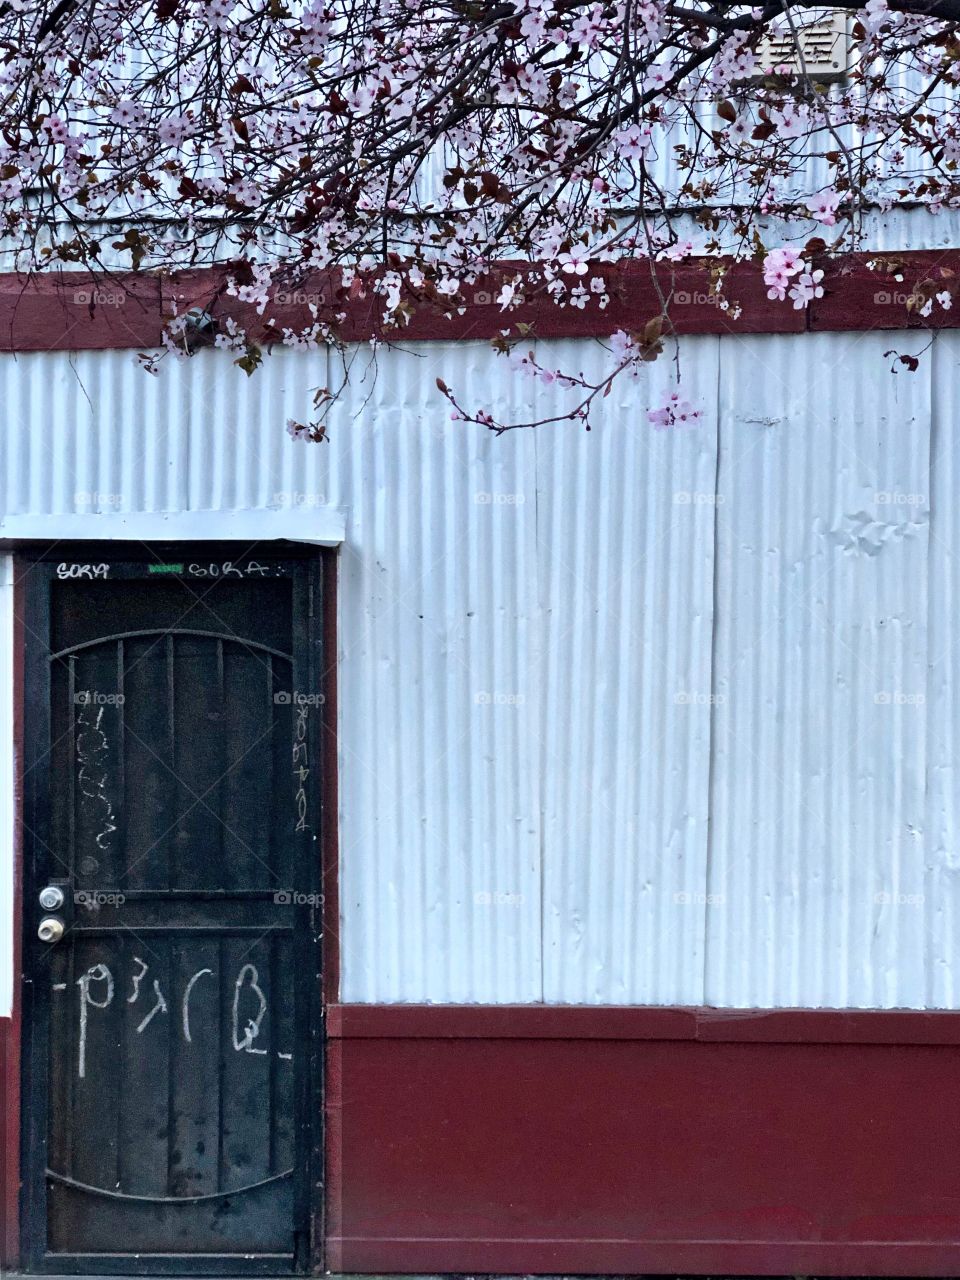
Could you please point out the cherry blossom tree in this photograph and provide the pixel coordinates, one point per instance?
(401, 150)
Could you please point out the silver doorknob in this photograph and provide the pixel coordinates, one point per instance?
(50, 930)
(51, 898)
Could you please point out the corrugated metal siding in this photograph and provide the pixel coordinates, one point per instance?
(942, 855)
(609, 732)
(626, 555)
(440, 825)
(817, 798)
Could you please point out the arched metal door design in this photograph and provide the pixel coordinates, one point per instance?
(171, 833)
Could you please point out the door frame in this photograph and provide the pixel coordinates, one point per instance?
(315, 605)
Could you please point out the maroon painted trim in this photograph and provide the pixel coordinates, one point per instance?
(60, 311)
(406, 1255)
(635, 296)
(333, 1093)
(70, 311)
(603, 1022)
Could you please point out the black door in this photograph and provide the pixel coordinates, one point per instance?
(172, 1032)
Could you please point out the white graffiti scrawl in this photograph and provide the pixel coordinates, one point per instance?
(96, 973)
(91, 775)
(248, 977)
(249, 1004)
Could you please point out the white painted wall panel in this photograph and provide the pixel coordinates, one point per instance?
(817, 797)
(942, 854)
(440, 821)
(626, 562)
(598, 743)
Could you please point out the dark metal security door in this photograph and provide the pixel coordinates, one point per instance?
(170, 1109)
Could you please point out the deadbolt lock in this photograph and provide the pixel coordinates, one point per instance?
(51, 897)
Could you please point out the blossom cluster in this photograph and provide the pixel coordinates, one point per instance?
(401, 149)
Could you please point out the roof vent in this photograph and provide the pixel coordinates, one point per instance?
(823, 42)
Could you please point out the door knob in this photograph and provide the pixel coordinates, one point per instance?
(51, 898)
(50, 930)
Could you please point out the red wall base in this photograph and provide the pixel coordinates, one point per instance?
(623, 1141)
(9, 1141)
(586, 1141)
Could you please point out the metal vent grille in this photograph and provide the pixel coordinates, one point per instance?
(823, 43)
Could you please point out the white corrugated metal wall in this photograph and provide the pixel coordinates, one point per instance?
(627, 716)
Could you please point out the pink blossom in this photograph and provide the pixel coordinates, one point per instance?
(875, 14)
(218, 12)
(507, 296)
(172, 131)
(57, 128)
(674, 412)
(622, 346)
(824, 207)
(779, 266)
(677, 252)
(125, 113)
(793, 121)
(660, 74)
(533, 28)
(575, 262)
(586, 27)
(806, 288)
(634, 141)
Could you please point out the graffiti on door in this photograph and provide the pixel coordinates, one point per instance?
(97, 989)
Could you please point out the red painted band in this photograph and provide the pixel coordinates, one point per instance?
(646, 1257)
(71, 311)
(585, 1022)
(639, 1156)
